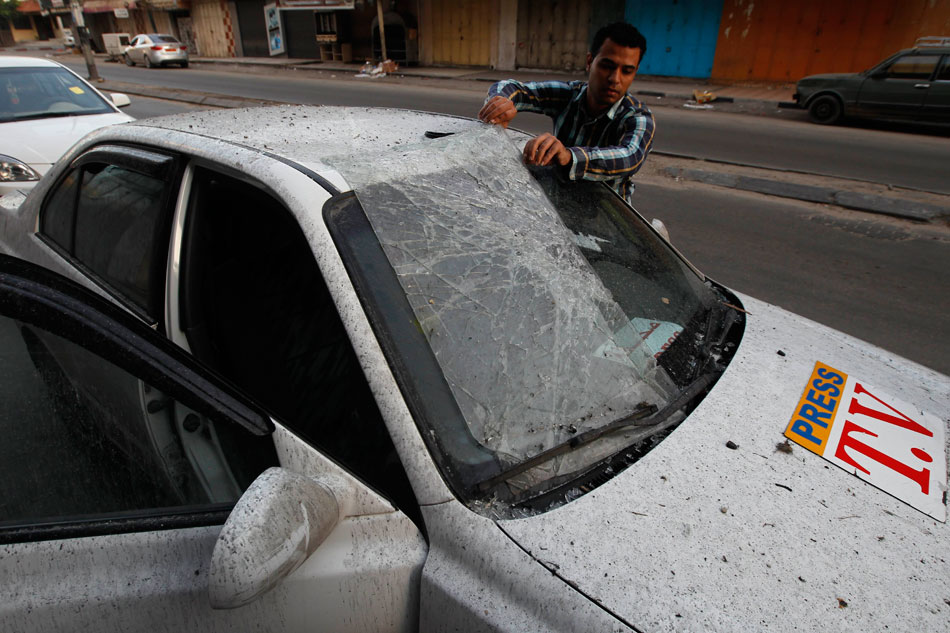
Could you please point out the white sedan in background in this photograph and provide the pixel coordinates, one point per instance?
(156, 50)
(44, 109)
(457, 395)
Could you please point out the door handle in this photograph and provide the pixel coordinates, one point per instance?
(921, 85)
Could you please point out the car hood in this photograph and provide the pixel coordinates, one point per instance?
(40, 142)
(701, 536)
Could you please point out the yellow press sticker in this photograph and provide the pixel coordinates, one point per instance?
(811, 423)
(77, 90)
(875, 436)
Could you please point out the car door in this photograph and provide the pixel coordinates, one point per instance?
(141, 46)
(241, 291)
(900, 88)
(92, 539)
(937, 103)
(108, 218)
(245, 295)
(132, 50)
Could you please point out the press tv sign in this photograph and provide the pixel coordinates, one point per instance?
(877, 437)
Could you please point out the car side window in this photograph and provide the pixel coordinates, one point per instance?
(255, 307)
(944, 73)
(913, 67)
(112, 221)
(85, 440)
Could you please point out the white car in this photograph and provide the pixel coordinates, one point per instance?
(445, 393)
(156, 49)
(44, 109)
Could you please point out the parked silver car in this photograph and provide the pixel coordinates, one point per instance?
(156, 49)
(458, 395)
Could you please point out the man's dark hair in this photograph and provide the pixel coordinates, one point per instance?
(619, 33)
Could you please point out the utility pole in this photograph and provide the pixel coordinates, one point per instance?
(382, 28)
(83, 34)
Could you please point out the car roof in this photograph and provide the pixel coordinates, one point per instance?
(28, 62)
(313, 135)
(932, 50)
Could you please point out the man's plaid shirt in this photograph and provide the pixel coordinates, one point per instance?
(610, 147)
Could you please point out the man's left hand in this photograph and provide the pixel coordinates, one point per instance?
(545, 150)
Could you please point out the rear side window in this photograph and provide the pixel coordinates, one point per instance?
(111, 220)
(913, 67)
(944, 73)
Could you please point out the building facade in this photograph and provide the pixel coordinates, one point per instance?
(735, 40)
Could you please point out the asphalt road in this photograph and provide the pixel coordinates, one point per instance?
(897, 156)
(145, 107)
(885, 281)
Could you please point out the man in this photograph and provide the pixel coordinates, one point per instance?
(600, 132)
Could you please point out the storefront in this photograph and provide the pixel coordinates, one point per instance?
(294, 28)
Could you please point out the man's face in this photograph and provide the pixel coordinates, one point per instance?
(610, 74)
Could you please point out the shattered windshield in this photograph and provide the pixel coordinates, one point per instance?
(549, 306)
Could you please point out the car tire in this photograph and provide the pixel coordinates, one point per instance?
(148, 62)
(128, 60)
(184, 64)
(825, 110)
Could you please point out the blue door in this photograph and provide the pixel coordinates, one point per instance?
(681, 35)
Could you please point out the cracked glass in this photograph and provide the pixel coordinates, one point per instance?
(546, 304)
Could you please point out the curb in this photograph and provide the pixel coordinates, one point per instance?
(900, 208)
(186, 96)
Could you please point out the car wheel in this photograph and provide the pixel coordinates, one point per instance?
(825, 110)
(148, 62)
(128, 60)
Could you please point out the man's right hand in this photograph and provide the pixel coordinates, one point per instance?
(498, 111)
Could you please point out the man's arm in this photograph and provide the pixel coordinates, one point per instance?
(620, 160)
(543, 97)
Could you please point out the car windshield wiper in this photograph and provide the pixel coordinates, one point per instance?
(45, 115)
(646, 416)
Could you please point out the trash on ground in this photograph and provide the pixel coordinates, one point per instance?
(703, 96)
(379, 70)
(696, 106)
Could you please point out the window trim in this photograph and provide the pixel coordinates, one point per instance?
(424, 388)
(116, 523)
(142, 159)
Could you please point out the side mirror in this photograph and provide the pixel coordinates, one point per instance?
(278, 522)
(660, 228)
(120, 100)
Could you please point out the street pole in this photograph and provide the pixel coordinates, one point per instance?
(83, 35)
(382, 28)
